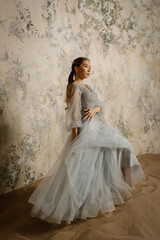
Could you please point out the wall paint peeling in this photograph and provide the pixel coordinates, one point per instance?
(39, 40)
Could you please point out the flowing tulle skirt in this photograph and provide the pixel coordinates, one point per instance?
(94, 172)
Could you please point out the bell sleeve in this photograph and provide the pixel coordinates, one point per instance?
(73, 115)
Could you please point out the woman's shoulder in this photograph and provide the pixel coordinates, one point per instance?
(74, 86)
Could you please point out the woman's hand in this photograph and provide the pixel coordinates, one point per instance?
(90, 112)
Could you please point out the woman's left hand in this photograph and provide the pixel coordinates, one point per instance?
(89, 113)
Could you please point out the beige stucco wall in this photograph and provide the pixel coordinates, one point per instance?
(38, 41)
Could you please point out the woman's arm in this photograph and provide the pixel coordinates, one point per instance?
(73, 118)
(75, 132)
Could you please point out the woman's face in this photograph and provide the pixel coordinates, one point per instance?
(83, 71)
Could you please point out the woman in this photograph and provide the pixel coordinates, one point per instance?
(97, 167)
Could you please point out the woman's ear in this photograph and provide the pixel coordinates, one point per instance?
(76, 69)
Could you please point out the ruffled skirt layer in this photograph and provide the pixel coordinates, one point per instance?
(94, 172)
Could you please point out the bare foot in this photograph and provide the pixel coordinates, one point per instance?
(133, 188)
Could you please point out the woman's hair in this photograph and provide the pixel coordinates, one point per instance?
(69, 91)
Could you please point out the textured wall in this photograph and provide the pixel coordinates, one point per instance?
(39, 39)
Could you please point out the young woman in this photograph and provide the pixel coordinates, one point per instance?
(97, 167)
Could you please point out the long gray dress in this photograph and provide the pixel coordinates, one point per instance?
(93, 172)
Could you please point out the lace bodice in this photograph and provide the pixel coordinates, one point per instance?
(83, 97)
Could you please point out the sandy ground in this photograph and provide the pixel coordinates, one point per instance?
(138, 218)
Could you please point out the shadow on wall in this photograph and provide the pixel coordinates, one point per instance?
(10, 169)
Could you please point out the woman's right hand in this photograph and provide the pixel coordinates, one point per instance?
(90, 112)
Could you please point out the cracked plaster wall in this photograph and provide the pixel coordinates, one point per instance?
(38, 41)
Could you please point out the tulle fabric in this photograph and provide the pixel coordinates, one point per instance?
(73, 114)
(94, 172)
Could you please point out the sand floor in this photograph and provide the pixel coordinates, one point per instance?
(138, 218)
